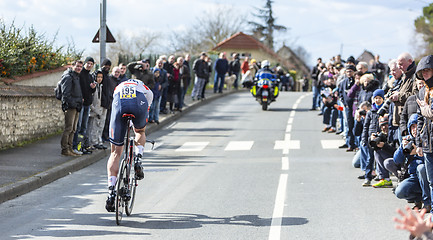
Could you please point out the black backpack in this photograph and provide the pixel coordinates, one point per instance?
(58, 90)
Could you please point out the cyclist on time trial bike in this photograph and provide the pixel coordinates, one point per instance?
(130, 97)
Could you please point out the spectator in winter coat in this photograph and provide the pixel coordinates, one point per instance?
(424, 139)
(371, 126)
(141, 70)
(378, 69)
(167, 75)
(107, 95)
(410, 107)
(174, 90)
(407, 65)
(382, 151)
(415, 185)
(72, 102)
(221, 68)
(201, 70)
(114, 80)
(87, 83)
(209, 65)
(185, 76)
(245, 65)
(330, 112)
(344, 88)
(315, 84)
(363, 152)
(98, 114)
(235, 68)
(156, 90)
(123, 76)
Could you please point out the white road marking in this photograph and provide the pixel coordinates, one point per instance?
(171, 125)
(192, 147)
(331, 144)
(287, 144)
(290, 121)
(277, 216)
(285, 163)
(148, 146)
(292, 114)
(289, 128)
(239, 145)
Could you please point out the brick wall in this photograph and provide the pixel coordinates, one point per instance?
(28, 113)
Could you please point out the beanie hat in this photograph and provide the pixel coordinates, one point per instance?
(351, 67)
(351, 59)
(106, 62)
(379, 92)
(89, 59)
(383, 121)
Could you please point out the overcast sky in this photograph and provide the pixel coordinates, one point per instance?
(323, 27)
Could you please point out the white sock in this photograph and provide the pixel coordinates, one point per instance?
(139, 149)
(112, 181)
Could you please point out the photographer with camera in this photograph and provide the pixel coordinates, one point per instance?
(410, 169)
(330, 113)
(360, 158)
(383, 150)
(370, 128)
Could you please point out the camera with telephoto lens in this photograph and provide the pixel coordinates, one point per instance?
(377, 138)
(407, 149)
(385, 107)
(362, 112)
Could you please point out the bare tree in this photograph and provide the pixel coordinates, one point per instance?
(212, 27)
(135, 45)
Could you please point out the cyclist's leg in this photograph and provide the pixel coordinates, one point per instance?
(113, 164)
(141, 113)
(117, 134)
(140, 140)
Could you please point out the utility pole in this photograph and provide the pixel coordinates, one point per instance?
(103, 30)
(341, 49)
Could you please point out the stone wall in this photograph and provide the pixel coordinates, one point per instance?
(28, 113)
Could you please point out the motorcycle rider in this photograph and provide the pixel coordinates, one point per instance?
(266, 73)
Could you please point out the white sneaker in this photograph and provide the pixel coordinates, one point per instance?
(77, 152)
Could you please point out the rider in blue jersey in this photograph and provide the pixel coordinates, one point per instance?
(134, 98)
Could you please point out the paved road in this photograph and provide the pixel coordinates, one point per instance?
(227, 170)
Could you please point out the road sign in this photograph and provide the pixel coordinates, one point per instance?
(110, 38)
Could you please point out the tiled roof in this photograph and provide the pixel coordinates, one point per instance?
(240, 40)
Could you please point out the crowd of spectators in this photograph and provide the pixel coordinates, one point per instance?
(87, 93)
(384, 113)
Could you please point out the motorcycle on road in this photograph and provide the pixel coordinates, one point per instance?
(265, 91)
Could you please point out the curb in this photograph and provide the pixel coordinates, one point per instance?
(36, 181)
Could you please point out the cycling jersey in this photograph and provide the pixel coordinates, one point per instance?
(130, 97)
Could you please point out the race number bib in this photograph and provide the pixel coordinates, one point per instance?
(128, 92)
